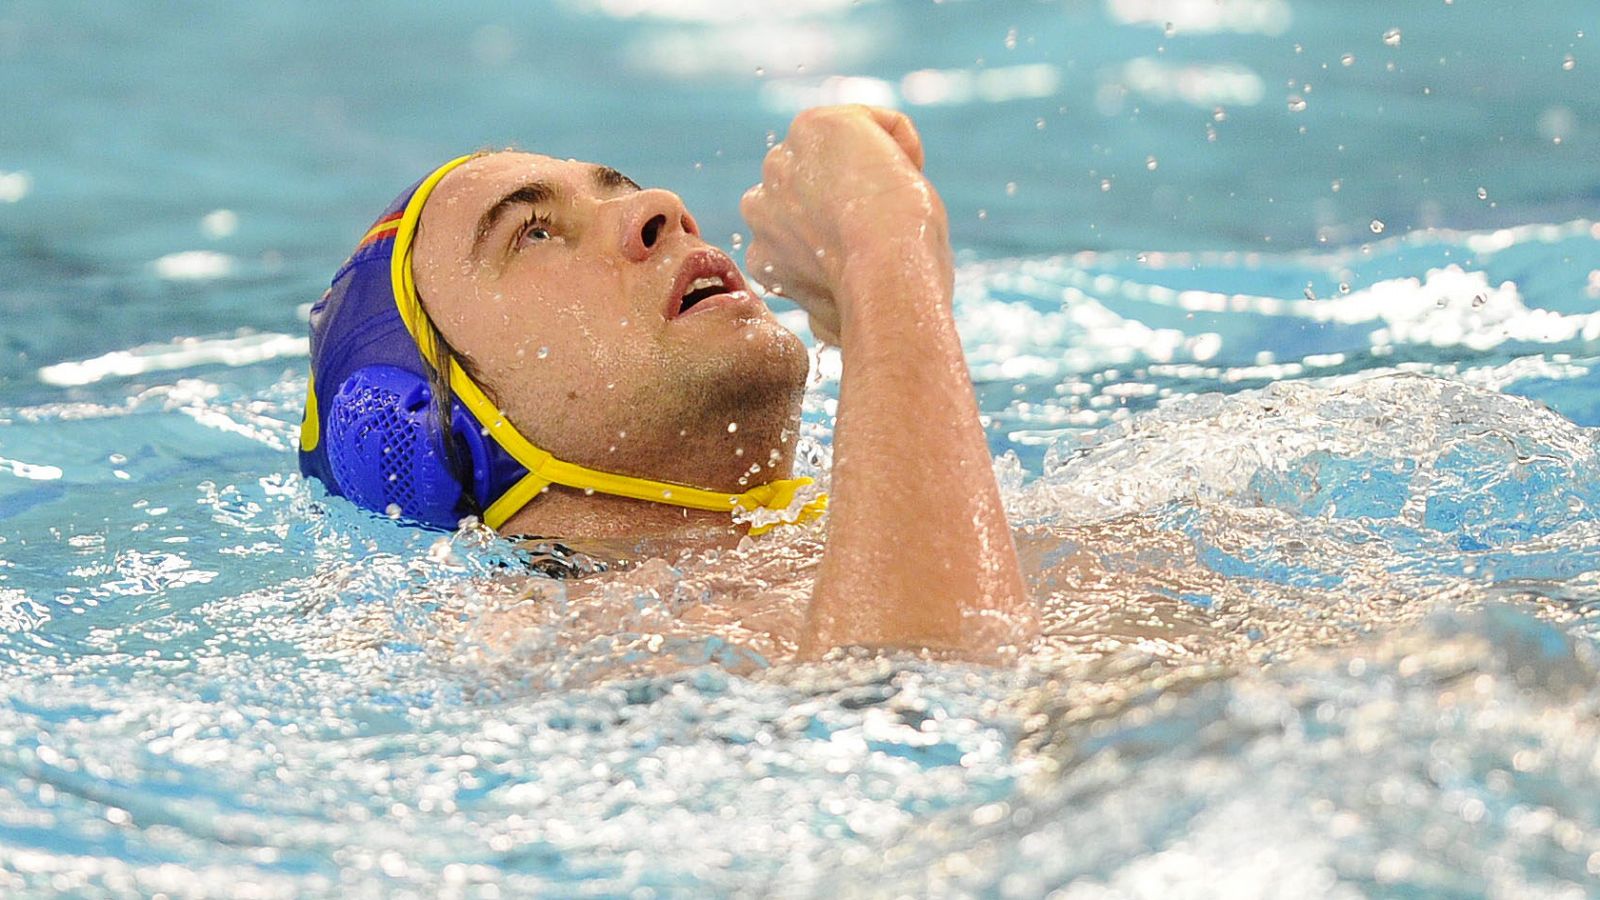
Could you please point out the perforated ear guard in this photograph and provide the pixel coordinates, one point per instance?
(387, 453)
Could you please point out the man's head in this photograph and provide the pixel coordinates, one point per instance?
(562, 286)
(587, 328)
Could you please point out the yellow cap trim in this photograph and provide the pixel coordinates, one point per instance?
(311, 424)
(543, 468)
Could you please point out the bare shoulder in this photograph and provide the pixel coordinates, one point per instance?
(742, 607)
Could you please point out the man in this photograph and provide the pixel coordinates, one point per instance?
(597, 370)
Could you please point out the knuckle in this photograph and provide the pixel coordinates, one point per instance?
(773, 161)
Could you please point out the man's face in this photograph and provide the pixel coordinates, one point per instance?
(596, 316)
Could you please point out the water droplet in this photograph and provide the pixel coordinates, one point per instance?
(1337, 185)
(1143, 257)
(1150, 163)
(983, 214)
(738, 451)
(1311, 293)
(760, 71)
(1344, 287)
(737, 240)
(1219, 114)
(1297, 103)
(543, 352)
(1392, 37)
(1377, 226)
(588, 492)
(1105, 184)
(1169, 30)
(1347, 60)
(732, 427)
(1483, 193)
(1442, 302)
(1568, 63)
(1038, 124)
(1011, 39)
(1011, 189)
(392, 510)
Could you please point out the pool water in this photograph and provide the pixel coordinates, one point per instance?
(1285, 321)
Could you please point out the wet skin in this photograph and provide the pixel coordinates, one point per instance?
(561, 284)
(565, 286)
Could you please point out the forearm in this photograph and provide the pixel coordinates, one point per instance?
(917, 538)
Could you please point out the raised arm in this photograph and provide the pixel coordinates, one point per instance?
(919, 552)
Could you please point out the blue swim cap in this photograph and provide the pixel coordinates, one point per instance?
(371, 430)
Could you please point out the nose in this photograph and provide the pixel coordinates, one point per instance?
(649, 219)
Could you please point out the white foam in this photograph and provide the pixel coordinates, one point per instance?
(14, 186)
(180, 354)
(1204, 86)
(716, 10)
(1008, 341)
(1270, 17)
(1447, 307)
(219, 223)
(193, 265)
(29, 471)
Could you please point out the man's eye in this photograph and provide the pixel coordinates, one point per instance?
(536, 231)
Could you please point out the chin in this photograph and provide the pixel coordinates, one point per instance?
(764, 366)
(784, 355)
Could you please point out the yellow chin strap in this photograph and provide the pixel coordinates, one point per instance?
(543, 468)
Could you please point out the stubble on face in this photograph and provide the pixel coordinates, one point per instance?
(716, 407)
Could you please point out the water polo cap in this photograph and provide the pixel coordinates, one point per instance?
(371, 432)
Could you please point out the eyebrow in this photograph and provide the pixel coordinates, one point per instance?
(607, 177)
(535, 193)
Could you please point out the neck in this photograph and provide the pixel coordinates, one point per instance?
(706, 455)
(697, 448)
(563, 512)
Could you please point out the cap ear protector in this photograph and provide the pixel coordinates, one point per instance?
(386, 414)
(377, 439)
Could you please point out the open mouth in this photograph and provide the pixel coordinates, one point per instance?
(706, 275)
(701, 289)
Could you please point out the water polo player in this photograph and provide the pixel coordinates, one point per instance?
(546, 345)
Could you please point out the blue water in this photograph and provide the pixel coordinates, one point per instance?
(1285, 317)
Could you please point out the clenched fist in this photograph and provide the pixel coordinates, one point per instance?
(843, 193)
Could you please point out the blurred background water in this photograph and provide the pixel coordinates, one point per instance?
(1284, 315)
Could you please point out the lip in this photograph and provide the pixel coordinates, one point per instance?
(705, 263)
